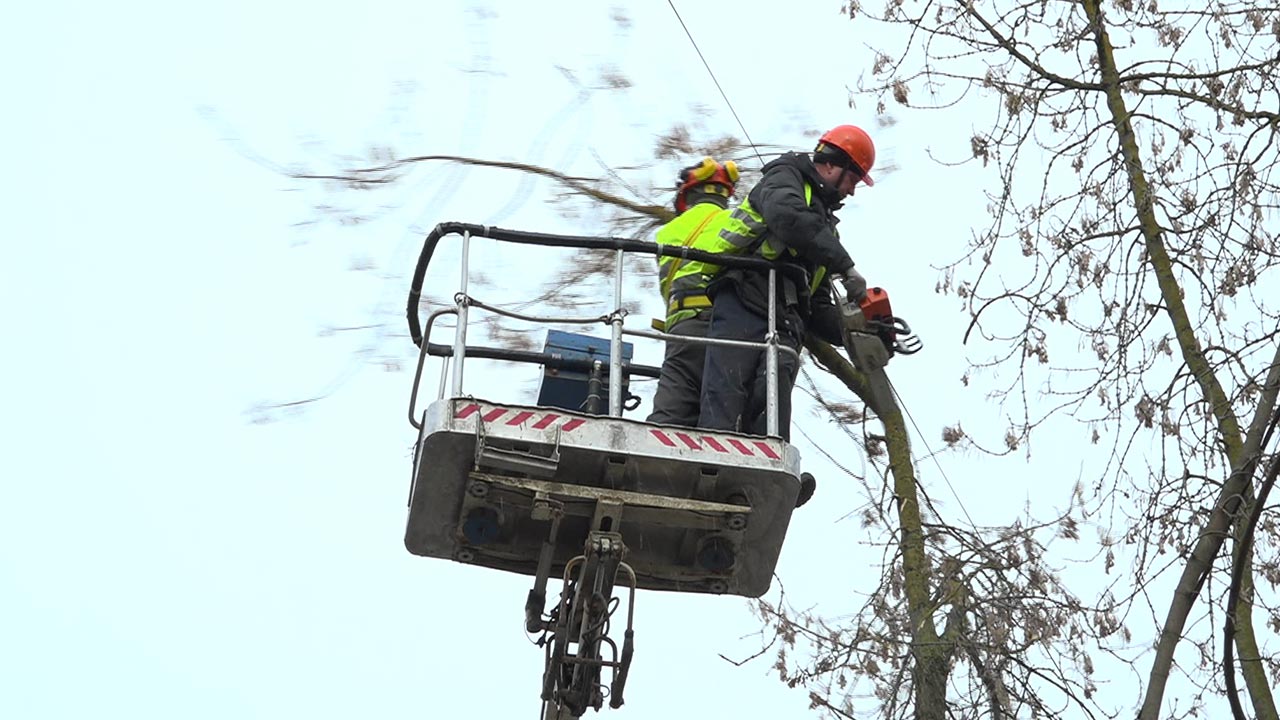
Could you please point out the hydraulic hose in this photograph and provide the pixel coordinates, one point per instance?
(549, 360)
(572, 241)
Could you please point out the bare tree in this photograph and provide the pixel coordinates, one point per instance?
(979, 622)
(1132, 151)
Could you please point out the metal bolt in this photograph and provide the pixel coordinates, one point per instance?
(736, 521)
(478, 489)
(465, 555)
(719, 587)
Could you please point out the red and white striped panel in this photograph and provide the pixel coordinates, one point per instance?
(684, 440)
(725, 445)
(508, 416)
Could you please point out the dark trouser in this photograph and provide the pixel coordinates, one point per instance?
(735, 380)
(680, 382)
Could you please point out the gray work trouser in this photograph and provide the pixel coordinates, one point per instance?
(680, 382)
(735, 379)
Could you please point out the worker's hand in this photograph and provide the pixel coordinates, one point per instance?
(855, 286)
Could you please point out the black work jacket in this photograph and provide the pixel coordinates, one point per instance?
(807, 231)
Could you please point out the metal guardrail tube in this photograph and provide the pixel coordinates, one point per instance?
(460, 335)
(444, 376)
(615, 342)
(771, 359)
(422, 359)
(709, 341)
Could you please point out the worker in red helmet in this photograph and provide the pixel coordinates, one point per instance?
(702, 190)
(788, 217)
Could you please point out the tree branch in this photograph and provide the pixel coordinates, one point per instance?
(376, 176)
(1012, 48)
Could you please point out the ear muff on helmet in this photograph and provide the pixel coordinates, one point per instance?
(696, 173)
(731, 171)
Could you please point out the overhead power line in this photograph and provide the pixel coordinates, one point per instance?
(902, 404)
(717, 82)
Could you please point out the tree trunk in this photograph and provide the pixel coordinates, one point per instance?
(1247, 655)
(932, 654)
(931, 682)
(1201, 562)
(1210, 542)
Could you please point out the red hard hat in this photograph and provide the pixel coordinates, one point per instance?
(855, 143)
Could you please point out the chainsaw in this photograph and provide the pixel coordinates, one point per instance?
(873, 334)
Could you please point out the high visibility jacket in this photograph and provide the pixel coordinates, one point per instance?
(683, 283)
(744, 231)
(737, 231)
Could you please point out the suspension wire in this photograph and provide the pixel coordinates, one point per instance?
(932, 454)
(717, 82)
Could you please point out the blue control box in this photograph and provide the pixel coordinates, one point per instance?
(568, 389)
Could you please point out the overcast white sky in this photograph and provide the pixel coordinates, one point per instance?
(160, 555)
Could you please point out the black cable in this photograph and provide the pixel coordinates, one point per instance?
(717, 82)
(554, 361)
(932, 454)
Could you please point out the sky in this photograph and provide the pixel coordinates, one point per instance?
(163, 555)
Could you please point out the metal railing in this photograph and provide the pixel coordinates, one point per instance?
(463, 302)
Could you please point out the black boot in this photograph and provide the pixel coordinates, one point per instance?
(807, 486)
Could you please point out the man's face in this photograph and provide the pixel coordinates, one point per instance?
(844, 183)
(848, 183)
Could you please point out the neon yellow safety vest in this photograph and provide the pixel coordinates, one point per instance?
(683, 277)
(739, 231)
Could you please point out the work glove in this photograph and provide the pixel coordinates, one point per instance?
(855, 286)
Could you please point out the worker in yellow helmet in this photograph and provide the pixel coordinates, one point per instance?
(702, 190)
